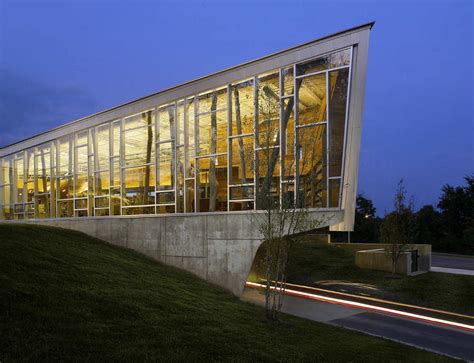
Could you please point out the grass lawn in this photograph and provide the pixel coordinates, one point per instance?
(67, 296)
(323, 265)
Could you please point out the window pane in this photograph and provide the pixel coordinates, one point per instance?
(80, 204)
(333, 60)
(81, 138)
(268, 124)
(30, 166)
(180, 123)
(139, 186)
(6, 212)
(337, 117)
(101, 212)
(180, 180)
(102, 202)
(189, 200)
(138, 146)
(243, 108)
(165, 209)
(102, 183)
(268, 177)
(30, 191)
(81, 171)
(81, 213)
(146, 118)
(213, 101)
(166, 123)
(288, 143)
(5, 195)
(116, 138)
(165, 198)
(288, 81)
(213, 184)
(165, 173)
(115, 201)
(213, 133)
(43, 171)
(81, 185)
(115, 173)
(190, 141)
(312, 167)
(244, 192)
(312, 99)
(6, 171)
(242, 160)
(102, 154)
(20, 179)
(66, 187)
(66, 155)
(236, 206)
(43, 206)
(65, 209)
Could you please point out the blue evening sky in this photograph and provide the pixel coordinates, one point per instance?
(60, 60)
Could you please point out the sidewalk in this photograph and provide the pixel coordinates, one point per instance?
(455, 271)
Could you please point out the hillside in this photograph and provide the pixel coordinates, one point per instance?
(67, 296)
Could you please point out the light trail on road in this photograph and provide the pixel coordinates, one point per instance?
(365, 306)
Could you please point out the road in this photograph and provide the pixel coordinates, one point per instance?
(452, 261)
(456, 343)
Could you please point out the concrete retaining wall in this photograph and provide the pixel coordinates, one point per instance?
(379, 260)
(218, 247)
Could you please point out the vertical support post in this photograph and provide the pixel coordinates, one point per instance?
(229, 142)
(255, 137)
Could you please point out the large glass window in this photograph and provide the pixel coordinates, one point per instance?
(277, 137)
(212, 184)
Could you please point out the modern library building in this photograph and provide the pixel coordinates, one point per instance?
(286, 126)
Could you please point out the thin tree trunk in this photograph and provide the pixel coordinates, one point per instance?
(212, 167)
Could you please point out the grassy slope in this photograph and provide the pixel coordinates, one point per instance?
(325, 265)
(70, 297)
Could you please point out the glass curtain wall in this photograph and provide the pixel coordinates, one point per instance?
(277, 138)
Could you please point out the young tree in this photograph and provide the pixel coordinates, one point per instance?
(398, 227)
(280, 221)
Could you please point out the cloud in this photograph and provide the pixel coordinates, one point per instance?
(28, 107)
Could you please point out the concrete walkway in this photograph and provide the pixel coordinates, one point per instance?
(452, 342)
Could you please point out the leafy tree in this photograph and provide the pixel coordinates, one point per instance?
(457, 215)
(457, 207)
(429, 227)
(366, 227)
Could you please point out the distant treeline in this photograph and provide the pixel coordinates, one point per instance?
(448, 226)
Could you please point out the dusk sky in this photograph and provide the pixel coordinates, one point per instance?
(63, 60)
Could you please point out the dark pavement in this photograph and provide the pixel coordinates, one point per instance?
(456, 343)
(452, 261)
